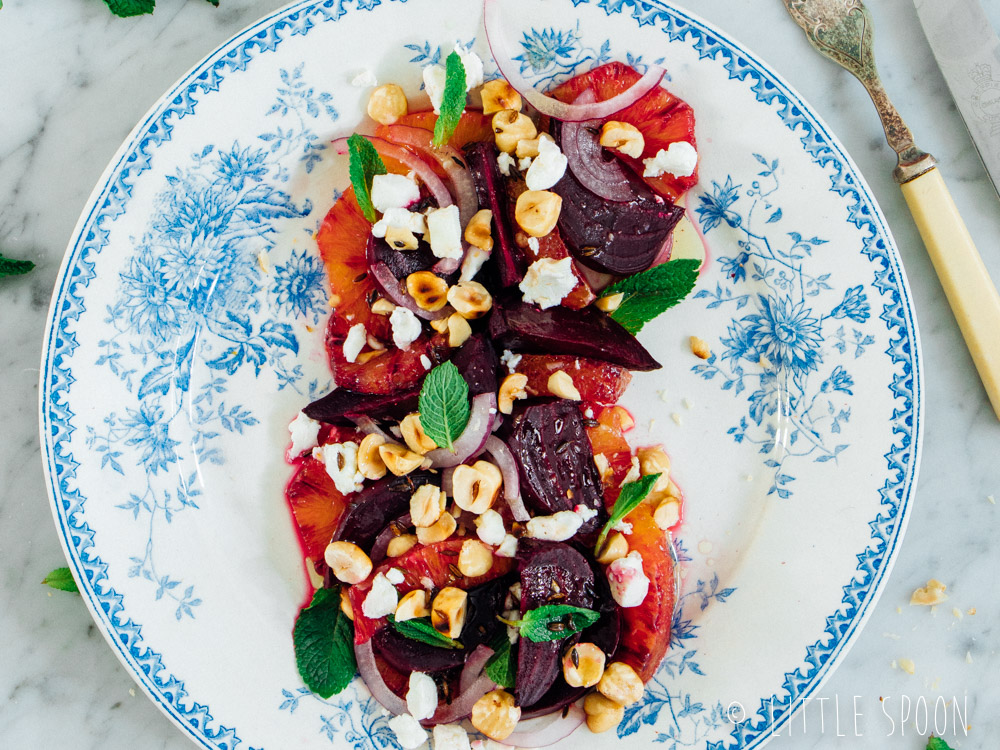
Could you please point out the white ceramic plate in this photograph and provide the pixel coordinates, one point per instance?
(186, 330)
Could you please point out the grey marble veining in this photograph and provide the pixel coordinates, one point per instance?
(75, 82)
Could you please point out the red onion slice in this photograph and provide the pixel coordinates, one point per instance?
(596, 280)
(547, 730)
(396, 293)
(510, 70)
(365, 655)
(380, 547)
(367, 425)
(448, 266)
(475, 663)
(511, 481)
(421, 168)
(665, 249)
(473, 437)
(461, 705)
(580, 141)
(448, 482)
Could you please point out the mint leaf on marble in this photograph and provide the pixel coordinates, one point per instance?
(61, 579)
(324, 644)
(11, 267)
(936, 743)
(129, 8)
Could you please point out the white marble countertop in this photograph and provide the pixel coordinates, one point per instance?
(75, 82)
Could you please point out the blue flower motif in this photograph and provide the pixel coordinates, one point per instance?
(786, 333)
(152, 305)
(237, 166)
(714, 208)
(740, 344)
(735, 268)
(198, 213)
(543, 48)
(855, 306)
(298, 285)
(150, 431)
(839, 380)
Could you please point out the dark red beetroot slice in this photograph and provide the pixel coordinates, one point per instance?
(401, 262)
(610, 237)
(555, 459)
(598, 382)
(376, 505)
(521, 327)
(408, 655)
(341, 406)
(477, 362)
(550, 573)
(492, 192)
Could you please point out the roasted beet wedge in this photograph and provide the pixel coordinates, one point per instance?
(376, 505)
(507, 257)
(550, 573)
(477, 362)
(401, 262)
(341, 406)
(484, 604)
(555, 459)
(521, 327)
(408, 655)
(616, 238)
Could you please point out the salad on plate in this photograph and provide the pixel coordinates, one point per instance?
(487, 545)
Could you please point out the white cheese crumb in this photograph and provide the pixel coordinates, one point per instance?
(622, 527)
(585, 513)
(409, 733)
(505, 161)
(588, 413)
(555, 528)
(450, 737)
(679, 160)
(434, 78)
(548, 281)
(473, 65)
(629, 584)
(399, 218)
(304, 432)
(364, 79)
(677, 419)
(355, 342)
(425, 361)
(533, 244)
(427, 582)
(524, 163)
(508, 547)
(394, 576)
(406, 327)
(473, 262)
(547, 168)
(421, 696)
(510, 360)
(490, 529)
(381, 600)
(445, 230)
(393, 191)
(341, 461)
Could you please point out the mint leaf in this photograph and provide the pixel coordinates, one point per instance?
(553, 622)
(501, 667)
(61, 579)
(420, 629)
(650, 293)
(452, 101)
(365, 164)
(11, 267)
(628, 500)
(444, 405)
(324, 644)
(936, 743)
(128, 8)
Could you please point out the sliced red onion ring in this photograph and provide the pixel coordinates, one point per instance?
(664, 255)
(474, 665)
(396, 293)
(380, 547)
(447, 481)
(421, 168)
(473, 437)
(365, 655)
(510, 70)
(448, 266)
(461, 705)
(547, 730)
(367, 425)
(511, 481)
(595, 279)
(580, 142)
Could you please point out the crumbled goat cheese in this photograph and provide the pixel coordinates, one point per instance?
(450, 737)
(547, 168)
(394, 576)
(406, 327)
(381, 600)
(622, 527)
(629, 584)
(585, 513)
(399, 218)
(409, 733)
(680, 160)
(524, 163)
(341, 461)
(533, 244)
(489, 528)
(445, 230)
(393, 191)
(425, 361)
(355, 342)
(304, 432)
(548, 281)
(473, 65)
(510, 360)
(427, 582)
(364, 79)
(508, 547)
(555, 528)
(505, 161)
(421, 696)
(434, 79)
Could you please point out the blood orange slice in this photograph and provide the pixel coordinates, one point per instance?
(598, 382)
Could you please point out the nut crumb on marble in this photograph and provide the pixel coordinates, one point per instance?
(930, 594)
(908, 666)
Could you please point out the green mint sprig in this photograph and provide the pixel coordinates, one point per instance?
(628, 500)
(553, 622)
(936, 743)
(420, 629)
(502, 667)
(128, 8)
(452, 101)
(444, 405)
(650, 293)
(11, 267)
(365, 164)
(61, 579)
(324, 644)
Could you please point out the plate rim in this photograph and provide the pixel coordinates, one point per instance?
(195, 719)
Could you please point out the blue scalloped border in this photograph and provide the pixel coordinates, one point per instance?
(109, 200)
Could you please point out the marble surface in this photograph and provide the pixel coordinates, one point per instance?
(75, 82)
